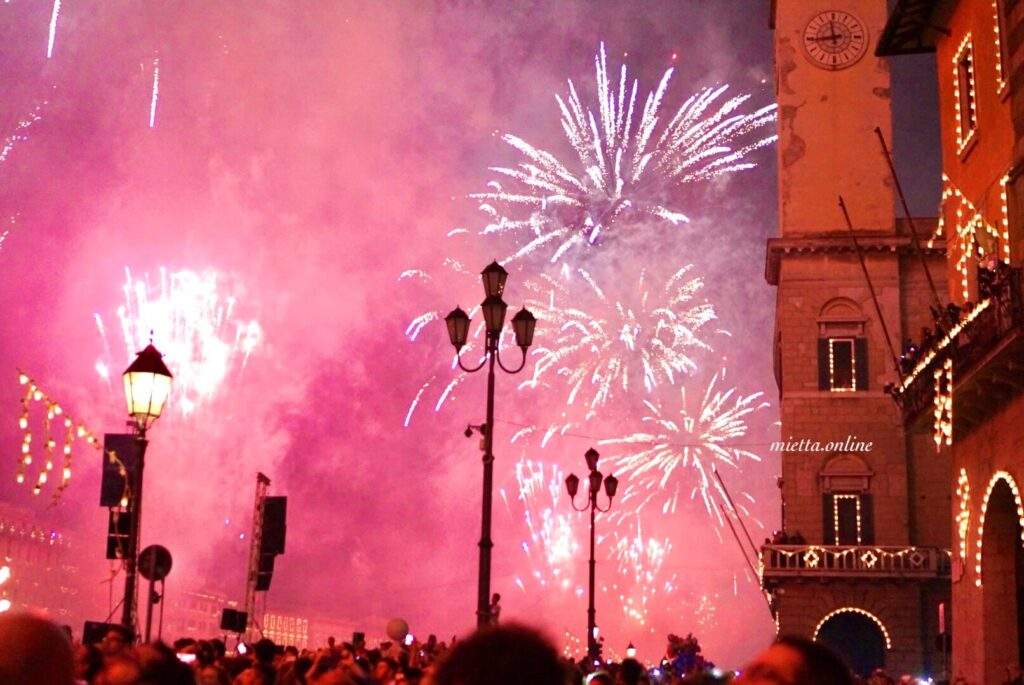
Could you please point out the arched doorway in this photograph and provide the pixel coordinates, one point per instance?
(858, 636)
(1002, 575)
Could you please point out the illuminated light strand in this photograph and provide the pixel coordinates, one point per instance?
(835, 515)
(965, 55)
(34, 533)
(943, 405)
(814, 555)
(963, 516)
(854, 610)
(945, 342)
(832, 366)
(1001, 82)
(996, 477)
(968, 230)
(72, 432)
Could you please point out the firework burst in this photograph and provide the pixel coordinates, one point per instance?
(191, 319)
(645, 339)
(624, 167)
(653, 460)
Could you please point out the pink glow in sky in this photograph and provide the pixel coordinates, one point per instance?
(307, 154)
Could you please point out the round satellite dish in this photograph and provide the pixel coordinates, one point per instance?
(155, 562)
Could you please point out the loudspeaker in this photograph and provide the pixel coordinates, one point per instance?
(273, 525)
(126, 448)
(264, 572)
(233, 621)
(95, 631)
(119, 531)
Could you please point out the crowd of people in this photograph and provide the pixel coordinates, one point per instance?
(34, 651)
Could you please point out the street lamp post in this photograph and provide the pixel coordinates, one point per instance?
(523, 324)
(147, 383)
(572, 485)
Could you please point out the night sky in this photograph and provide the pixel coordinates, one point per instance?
(308, 154)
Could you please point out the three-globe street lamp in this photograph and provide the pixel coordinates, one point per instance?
(147, 384)
(572, 485)
(523, 324)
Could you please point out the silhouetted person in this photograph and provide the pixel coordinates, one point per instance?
(34, 651)
(502, 655)
(796, 661)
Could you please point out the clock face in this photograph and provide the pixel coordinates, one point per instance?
(835, 40)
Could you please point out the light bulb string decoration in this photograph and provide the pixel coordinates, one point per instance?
(73, 431)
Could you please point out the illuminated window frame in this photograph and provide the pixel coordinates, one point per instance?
(832, 366)
(965, 56)
(835, 516)
(854, 610)
(996, 477)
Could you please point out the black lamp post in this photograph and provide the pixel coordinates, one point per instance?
(147, 383)
(572, 485)
(523, 324)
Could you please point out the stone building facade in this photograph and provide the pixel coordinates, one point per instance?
(862, 561)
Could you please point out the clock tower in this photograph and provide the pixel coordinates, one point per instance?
(861, 562)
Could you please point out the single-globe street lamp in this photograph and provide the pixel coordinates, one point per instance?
(572, 485)
(523, 324)
(147, 384)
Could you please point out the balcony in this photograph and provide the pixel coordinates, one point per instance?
(780, 562)
(986, 347)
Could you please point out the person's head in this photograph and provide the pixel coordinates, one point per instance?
(501, 655)
(495, 598)
(219, 648)
(631, 672)
(115, 641)
(205, 653)
(600, 678)
(264, 651)
(796, 661)
(34, 651)
(88, 662)
(291, 652)
(385, 669)
(160, 664)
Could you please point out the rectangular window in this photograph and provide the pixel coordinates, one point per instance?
(846, 519)
(965, 97)
(842, 365)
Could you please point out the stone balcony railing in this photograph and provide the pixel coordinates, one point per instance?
(852, 561)
(985, 349)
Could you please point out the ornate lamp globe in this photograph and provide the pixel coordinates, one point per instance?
(147, 384)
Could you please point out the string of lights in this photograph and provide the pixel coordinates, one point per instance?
(996, 477)
(854, 610)
(963, 58)
(54, 414)
(943, 404)
(963, 516)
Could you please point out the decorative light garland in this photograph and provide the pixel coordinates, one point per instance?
(968, 230)
(832, 366)
(997, 21)
(814, 555)
(963, 516)
(996, 477)
(943, 403)
(944, 342)
(72, 432)
(835, 515)
(854, 610)
(964, 55)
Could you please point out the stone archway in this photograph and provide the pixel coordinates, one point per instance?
(858, 636)
(1001, 566)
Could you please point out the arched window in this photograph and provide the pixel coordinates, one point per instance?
(842, 347)
(847, 511)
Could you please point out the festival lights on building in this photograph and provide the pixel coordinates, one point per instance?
(55, 417)
(964, 95)
(963, 516)
(997, 22)
(945, 341)
(835, 516)
(943, 426)
(996, 477)
(854, 610)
